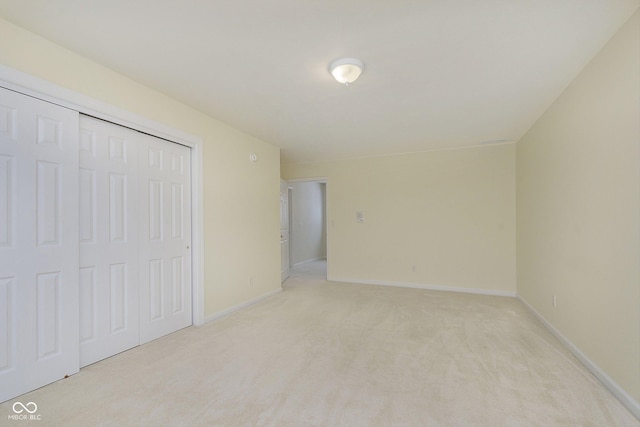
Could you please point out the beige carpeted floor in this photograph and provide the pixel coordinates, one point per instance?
(335, 354)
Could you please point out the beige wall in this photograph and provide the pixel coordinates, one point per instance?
(308, 221)
(451, 214)
(241, 212)
(578, 207)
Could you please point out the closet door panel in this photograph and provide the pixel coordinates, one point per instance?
(165, 238)
(109, 315)
(38, 243)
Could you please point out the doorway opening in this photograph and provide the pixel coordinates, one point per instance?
(308, 228)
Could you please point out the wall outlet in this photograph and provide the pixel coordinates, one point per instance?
(555, 301)
(413, 268)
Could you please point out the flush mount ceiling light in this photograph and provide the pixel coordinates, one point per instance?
(346, 70)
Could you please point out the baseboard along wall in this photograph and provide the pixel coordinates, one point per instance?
(629, 402)
(425, 286)
(309, 260)
(240, 306)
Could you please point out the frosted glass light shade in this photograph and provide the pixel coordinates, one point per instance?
(346, 70)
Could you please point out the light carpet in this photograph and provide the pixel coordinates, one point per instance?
(336, 354)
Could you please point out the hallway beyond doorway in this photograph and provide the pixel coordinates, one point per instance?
(316, 269)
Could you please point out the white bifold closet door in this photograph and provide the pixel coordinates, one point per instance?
(165, 237)
(95, 235)
(38, 243)
(109, 243)
(135, 234)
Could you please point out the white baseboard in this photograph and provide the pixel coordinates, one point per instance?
(426, 287)
(309, 260)
(240, 306)
(629, 402)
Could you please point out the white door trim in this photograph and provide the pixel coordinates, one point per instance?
(47, 91)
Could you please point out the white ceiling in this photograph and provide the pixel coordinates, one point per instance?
(439, 73)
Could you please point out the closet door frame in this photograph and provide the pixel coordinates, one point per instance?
(32, 86)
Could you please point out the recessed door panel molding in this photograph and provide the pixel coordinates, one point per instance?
(165, 245)
(48, 203)
(177, 163)
(87, 205)
(156, 211)
(8, 123)
(177, 283)
(177, 211)
(109, 239)
(8, 193)
(118, 207)
(87, 303)
(156, 289)
(48, 314)
(39, 243)
(88, 141)
(118, 297)
(118, 147)
(49, 131)
(155, 158)
(7, 323)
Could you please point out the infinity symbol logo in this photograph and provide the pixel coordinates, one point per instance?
(30, 407)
